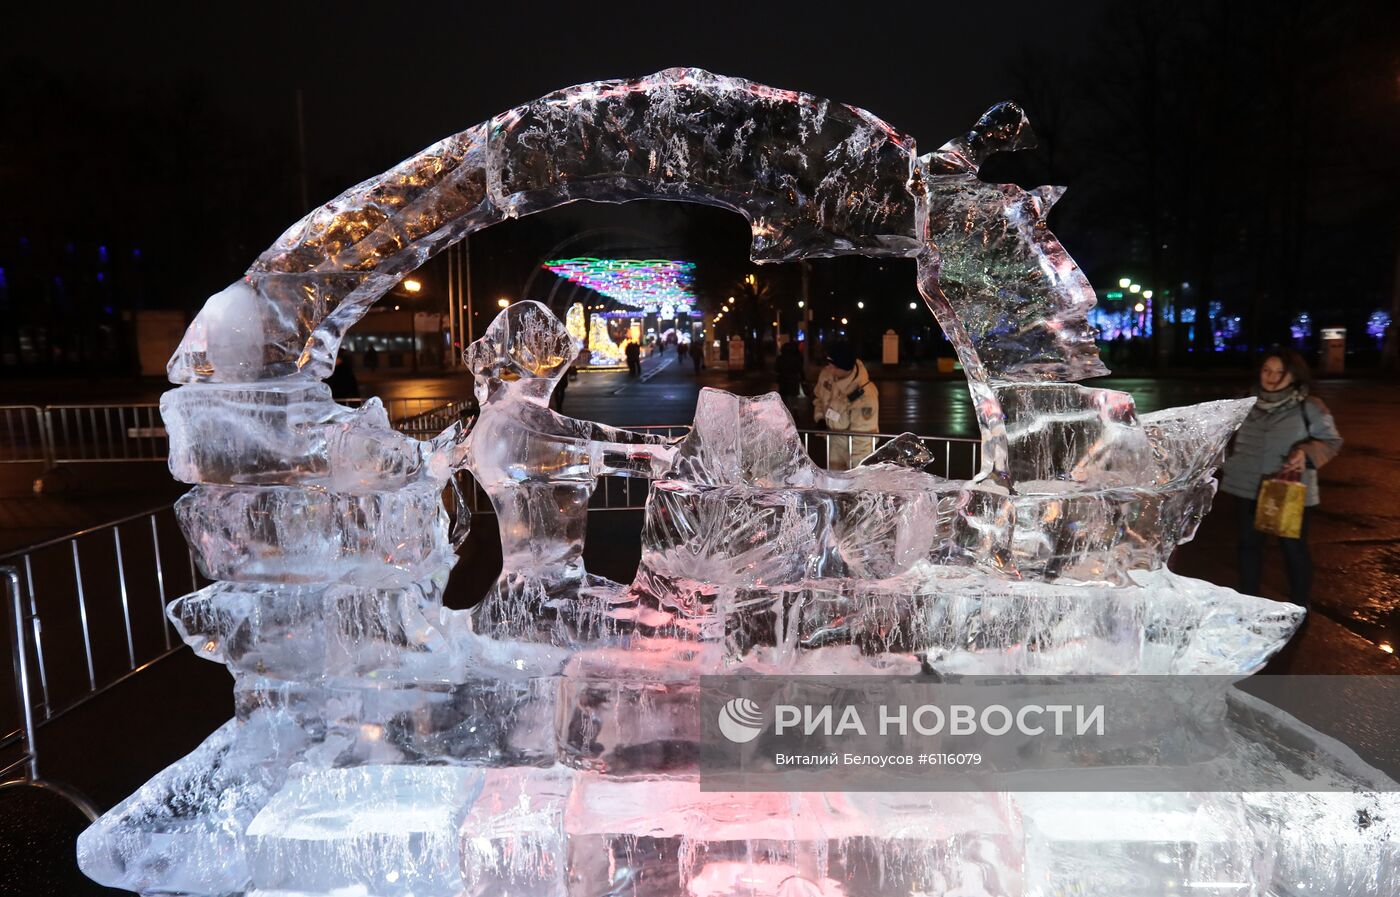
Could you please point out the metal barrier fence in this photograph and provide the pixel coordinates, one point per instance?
(65, 434)
(23, 437)
(64, 652)
(104, 433)
(59, 434)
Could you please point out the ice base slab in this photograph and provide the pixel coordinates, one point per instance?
(1146, 845)
(230, 819)
(381, 831)
(1214, 844)
(183, 831)
(1333, 843)
(681, 840)
(557, 833)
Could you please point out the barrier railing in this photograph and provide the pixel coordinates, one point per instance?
(23, 437)
(66, 434)
(105, 433)
(61, 658)
(58, 434)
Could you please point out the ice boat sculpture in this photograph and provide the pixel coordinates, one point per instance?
(545, 743)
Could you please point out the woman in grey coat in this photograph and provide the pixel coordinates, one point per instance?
(1288, 432)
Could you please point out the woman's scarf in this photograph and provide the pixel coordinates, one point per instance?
(1272, 401)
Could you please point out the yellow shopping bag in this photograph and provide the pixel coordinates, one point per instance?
(1280, 508)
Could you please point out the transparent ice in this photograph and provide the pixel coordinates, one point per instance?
(538, 467)
(545, 742)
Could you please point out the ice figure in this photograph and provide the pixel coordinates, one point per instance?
(1018, 297)
(538, 467)
(545, 743)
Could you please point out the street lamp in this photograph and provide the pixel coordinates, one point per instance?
(412, 285)
(1135, 288)
(913, 305)
(1124, 282)
(860, 305)
(1147, 294)
(801, 304)
(503, 302)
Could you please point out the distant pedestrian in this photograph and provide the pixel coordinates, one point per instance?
(372, 359)
(342, 380)
(697, 354)
(845, 401)
(1289, 433)
(634, 358)
(790, 370)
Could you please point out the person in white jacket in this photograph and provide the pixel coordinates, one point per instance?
(845, 401)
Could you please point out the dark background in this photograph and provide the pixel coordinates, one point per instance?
(1240, 153)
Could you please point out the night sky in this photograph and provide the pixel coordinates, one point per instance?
(383, 80)
(1242, 153)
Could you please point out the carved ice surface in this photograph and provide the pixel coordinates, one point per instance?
(545, 743)
(394, 825)
(310, 633)
(293, 534)
(538, 467)
(1021, 300)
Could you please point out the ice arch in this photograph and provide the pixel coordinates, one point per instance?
(814, 178)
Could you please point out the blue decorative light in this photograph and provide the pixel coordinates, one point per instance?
(1377, 324)
(1226, 329)
(1121, 322)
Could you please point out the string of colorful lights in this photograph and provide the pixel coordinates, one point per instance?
(657, 286)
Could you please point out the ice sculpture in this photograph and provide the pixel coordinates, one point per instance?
(545, 743)
(538, 467)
